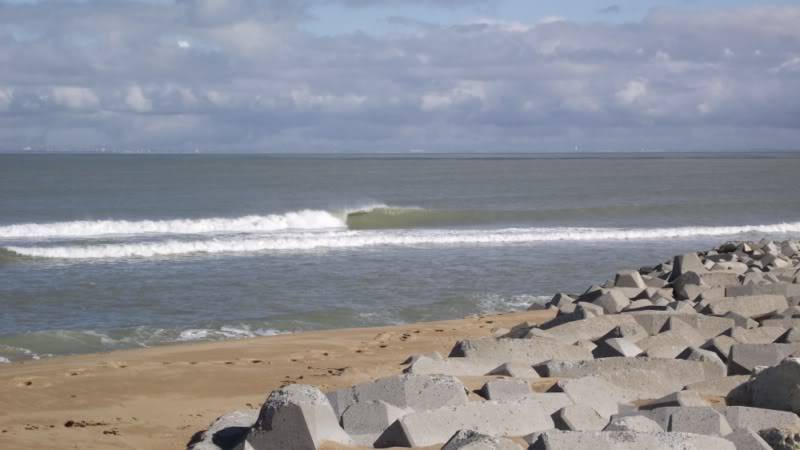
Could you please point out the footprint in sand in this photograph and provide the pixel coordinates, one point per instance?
(31, 382)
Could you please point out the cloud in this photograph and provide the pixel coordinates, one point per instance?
(243, 75)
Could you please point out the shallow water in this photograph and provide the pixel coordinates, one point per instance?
(112, 251)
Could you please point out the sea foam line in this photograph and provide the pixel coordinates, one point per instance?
(357, 239)
(298, 220)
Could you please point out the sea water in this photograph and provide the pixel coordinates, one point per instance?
(99, 252)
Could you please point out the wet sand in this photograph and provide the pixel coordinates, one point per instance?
(157, 398)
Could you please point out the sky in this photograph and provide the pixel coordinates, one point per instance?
(399, 75)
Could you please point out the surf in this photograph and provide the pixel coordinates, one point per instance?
(351, 239)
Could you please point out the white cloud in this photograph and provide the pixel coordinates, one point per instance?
(632, 92)
(136, 100)
(6, 96)
(77, 98)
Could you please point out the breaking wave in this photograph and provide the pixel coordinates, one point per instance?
(295, 220)
(345, 239)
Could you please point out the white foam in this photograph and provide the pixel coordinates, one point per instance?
(295, 220)
(224, 332)
(323, 240)
(4, 360)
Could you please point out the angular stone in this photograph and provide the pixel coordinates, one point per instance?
(744, 358)
(752, 306)
(629, 279)
(613, 301)
(645, 377)
(602, 396)
(297, 417)
(741, 321)
(579, 417)
(755, 290)
(366, 421)
(226, 431)
(747, 440)
(689, 262)
(762, 335)
(778, 387)
(637, 423)
(528, 351)
(698, 354)
(471, 440)
(508, 389)
(780, 439)
(418, 392)
(500, 419)
(550, 402)
(702, 420)
(515, 370)
(721, 345)
(719, 387)
(679, 399)
(757, 419)
(616, 347)
(451, 366)
(598, 327)
(626, 440)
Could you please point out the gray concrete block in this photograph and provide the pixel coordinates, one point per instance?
(515, 370)
(603, 396)
(778, 387)
(418, 392)
(699, 420)
(366, 421)
(781, 289)
(626, 440)
(744, 358)
(616, 347)
(613, 301)
(719, 387)
(689, 262)
(472, 440)
(762, 335)
(699, 354)
(506, 389)
(747, 440)
(757, 419)
(297, 417)
(579, 417)
(598, 327)
(226, 431)
(678, 399)
(629, 279)
(500, 419)
(451, 366)
(529, 351)
(751, 306)
(637, 423)
(646, 377)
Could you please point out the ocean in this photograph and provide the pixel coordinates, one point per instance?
(101, 252)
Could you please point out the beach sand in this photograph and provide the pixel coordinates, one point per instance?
(157, 398)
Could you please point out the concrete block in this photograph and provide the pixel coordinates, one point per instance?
(629, 279)
(721, 345)
(754, 290)
(528, 351)
(603, 396)
(778, 387)
(699, 420)
(689, 262)
(418, 392)
(719, 387)
(515, 370)
(699, 354)
(741, 321)
(744, 358)
(678, 399)
(646, 377)
(780, 439)
(747, 440)
(613, 301)
(616, 347)
(757, 419)
(637, 423)
(506, 389)
(751, 306)
(366, 421)
(297, 417)
(472, 440)
(579, 417)
(598, 327)
(451, 366)
(626, 440)
(226, 431)
(762, 335)
(500, 419)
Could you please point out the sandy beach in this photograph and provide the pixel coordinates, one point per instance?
(157, 398)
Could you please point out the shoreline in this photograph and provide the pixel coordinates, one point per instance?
(106, 400)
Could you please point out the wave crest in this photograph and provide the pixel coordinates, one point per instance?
(324, 240)
(295, 220)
